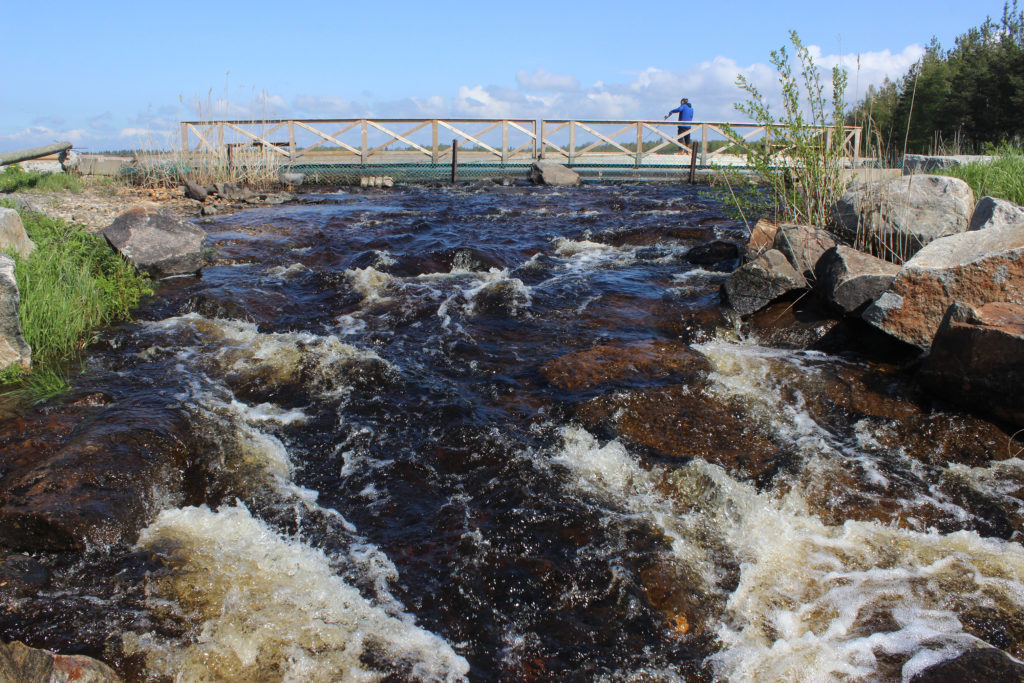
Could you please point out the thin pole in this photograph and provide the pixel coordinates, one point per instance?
(693, 162)
(455, 161)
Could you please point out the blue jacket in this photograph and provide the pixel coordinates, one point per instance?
(685, 112)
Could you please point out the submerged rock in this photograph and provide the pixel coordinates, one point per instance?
(979, 664)
(608, 364)
(684, 422)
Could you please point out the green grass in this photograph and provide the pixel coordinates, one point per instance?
(15, 179)
(71, 286)
(1002, 178)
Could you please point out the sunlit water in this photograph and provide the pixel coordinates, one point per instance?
(391, 488)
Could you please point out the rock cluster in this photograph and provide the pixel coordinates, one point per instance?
(955, 291)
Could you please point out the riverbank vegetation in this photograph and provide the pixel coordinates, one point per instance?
(71, 286)
(16, 179)
(967, 99)
(1002, 177)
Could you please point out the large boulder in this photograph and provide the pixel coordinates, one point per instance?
(898, 217)
(802, 245)
(973, 268)
(754, 285)
(849, 280)
(157, 242)
(194, 190)
(13, 348)
(23, 664)
(13, 235)
(993, 213)
(977, 360)
(552, 173)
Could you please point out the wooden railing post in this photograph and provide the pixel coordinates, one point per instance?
(435, 157)
(184, 137)
(543, 139)
(504, 142)
(220, 138)
(364, 147)
(572, 142)
(703, 144)
(291, 140)
(639, 143)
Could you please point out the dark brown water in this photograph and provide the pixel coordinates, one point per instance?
(504, 434)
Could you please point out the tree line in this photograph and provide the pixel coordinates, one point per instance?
(969, 99)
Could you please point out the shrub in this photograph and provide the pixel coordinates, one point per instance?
(802, 154)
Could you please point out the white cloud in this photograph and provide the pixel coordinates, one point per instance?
(542, 80)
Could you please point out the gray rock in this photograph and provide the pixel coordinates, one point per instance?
(194, 190)
(293, 179)
(23, 664)
(922, 163)
(13, 348)
(897, 217)
(849, 280)
(991, 213)
(13, 235)
(977, 360)
(803, 245)
(157, 242)
(973, 268)
(551, 173)
(754, 285)
(233, 192)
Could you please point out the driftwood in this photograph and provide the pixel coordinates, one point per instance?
(33, 153)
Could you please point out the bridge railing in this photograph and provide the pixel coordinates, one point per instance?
(573, 141)
(647, 142)
(504, 140)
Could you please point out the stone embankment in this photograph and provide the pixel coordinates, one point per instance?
(933, 269)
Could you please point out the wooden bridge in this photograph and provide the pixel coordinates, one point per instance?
(499, 143)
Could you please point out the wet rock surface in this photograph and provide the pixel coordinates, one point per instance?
(22, 664)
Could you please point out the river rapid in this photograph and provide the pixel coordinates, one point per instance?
(506, 434)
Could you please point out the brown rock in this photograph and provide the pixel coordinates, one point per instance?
(803, 245)
(977, 360)
(609, 363)
(22, 664)
(972, 268)
(762, 238)
(849, 279)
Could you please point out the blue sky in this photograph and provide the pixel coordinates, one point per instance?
(120, 75)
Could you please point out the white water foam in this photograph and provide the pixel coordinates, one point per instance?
(265, 608)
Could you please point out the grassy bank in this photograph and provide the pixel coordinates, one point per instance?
(14, 179)
(1002, 177)
(71, 286)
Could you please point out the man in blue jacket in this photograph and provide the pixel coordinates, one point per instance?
(685, 111)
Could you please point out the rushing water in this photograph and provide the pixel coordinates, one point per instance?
(503, 434)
